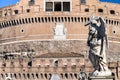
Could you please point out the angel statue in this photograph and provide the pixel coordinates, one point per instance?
(98, 42)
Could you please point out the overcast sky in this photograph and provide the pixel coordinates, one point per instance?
(10, 2)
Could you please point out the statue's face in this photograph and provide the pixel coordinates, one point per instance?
(92, 29)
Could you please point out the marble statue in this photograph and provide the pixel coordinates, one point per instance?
(98, 42)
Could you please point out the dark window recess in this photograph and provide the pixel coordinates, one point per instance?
(112, 12)
(100, 10)
(57, 6)
(5, 14)
(86, 10)
(82, 1)
(31, 2)
(56, 64)
(16, 11)
(49, 6)
(28, 10)
(4, 64)
(66, 6)
(30, 63)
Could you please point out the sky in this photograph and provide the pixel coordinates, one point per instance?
(10, 2)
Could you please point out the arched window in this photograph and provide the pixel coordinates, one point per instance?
(49, 19)
(78, 19)
(35, 19)
(75, 74)
(39, 19)
(56, 63)
(66, 75)
(26, 20)
(46, 76)
(45, 19)
(33, 75)
(28, 75)
(32, 20)
(37, 75)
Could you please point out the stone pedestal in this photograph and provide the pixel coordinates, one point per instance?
(102, 78)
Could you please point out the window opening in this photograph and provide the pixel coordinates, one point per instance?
(112, 12)
(57, 6)
(49, 6)
(66, 6)
(82, 1)
(86, 10)
(100, 10)
(16, 11)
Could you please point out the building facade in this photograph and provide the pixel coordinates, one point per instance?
(39, 38)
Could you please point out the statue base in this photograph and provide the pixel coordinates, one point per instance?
(102, 78)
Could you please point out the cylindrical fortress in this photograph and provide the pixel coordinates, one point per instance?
(56, 27)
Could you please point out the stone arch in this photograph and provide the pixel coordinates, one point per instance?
(46, 20)
(52, 19)
(42, 19)
(24, 75)
(36, 20)
(78, 19)
(29, 20)
(37, 75)
(33, 75)
(4, 24)
(20, 21)
(71, 75)
(66, 75)
(49, 20)
(12, 21)
(2, 75)
(15, 75)
(62, 20)
(75, 19)
(32, 19)
(68, 19)
(75, 75)
(17, 22)
(19, 74)
(62, 76)
(26, 21)
(55, 19)
(85, 19)
(81, 19)
(65, 19)
(72, 19)
(59, 19)
(114, 22)
(46, 76)
(39, 19)
(7, 24)
(41, 75)
(28, 75)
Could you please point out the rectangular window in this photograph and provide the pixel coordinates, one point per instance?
(66, 6)
(49, 6)
(83, 1)
(57, 6)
